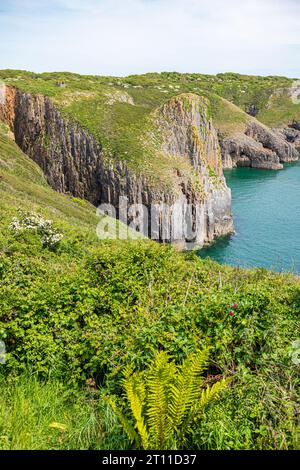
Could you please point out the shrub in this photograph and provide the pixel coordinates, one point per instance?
(89, 316)
(30, 222)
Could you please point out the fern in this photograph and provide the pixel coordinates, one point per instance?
(127, 426)
(158, 382)
(212, 393)
(166, 400)
(186, 389)
(207, 395)
(135, 393)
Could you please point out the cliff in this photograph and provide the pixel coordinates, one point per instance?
(74, 161)
(247, 142)
(258, 147)
(291, 133)
(23, 186)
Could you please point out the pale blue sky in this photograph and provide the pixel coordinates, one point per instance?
(121, 37)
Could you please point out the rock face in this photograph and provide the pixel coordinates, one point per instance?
(258, 147)
(291, 134)
(73, 162)
(187, 132)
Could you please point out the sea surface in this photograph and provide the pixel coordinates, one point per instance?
(266, 210)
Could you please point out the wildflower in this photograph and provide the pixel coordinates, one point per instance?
(231, 313)
(50, 237)
(234, 307)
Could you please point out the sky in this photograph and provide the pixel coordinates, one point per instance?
(122, 37)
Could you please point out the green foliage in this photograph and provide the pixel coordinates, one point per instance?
(88, 315)
(270, 95)
(120, 112)
(166, 401)
(259, 412)
(40, 415)
(23, 186)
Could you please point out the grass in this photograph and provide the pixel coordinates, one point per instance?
(48, 415)
(280, 110)
(120, 112)
(123, 120)
(227, 117)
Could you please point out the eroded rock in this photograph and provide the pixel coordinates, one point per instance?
(258, 147)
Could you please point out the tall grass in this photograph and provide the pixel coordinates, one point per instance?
(48, 415)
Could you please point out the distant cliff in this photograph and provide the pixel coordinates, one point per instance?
(258, 147)
(247, 142)
(73, 160)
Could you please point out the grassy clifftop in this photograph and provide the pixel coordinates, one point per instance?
(122, 112)
(271, 96)
(122, 117)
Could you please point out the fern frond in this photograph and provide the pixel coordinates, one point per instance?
(136, 394)
(187, 388)
(126, 425)
(128, 371)
(210, 394)
(159, 381)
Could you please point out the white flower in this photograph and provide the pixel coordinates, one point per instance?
(50, 237)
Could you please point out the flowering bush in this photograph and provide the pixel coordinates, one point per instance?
(31, 222)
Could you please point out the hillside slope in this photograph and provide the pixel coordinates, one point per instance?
(117, 110)
(23, 186)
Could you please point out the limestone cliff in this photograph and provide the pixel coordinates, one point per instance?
(188, 132)
(291, 134)
(258, 147)
(73, 160)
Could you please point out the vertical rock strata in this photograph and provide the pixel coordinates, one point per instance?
(73, 161)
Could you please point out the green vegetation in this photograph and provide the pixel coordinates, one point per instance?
(73, 317)
(280, 109)
(121, 117)
(81, 318)
(227, 117)
(167, 401)
(149, 91)
(22, 185)
(120, 112)
(37, 415)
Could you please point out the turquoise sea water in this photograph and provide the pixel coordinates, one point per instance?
(266, 210)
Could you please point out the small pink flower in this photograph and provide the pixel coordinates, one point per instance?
(234, 306)
(231, 313)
